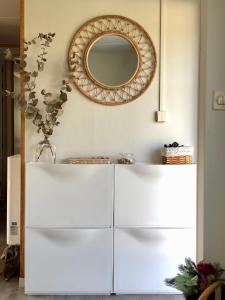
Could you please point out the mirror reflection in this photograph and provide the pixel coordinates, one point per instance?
(112, 60)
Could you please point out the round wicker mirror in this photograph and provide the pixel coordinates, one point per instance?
(112, 60)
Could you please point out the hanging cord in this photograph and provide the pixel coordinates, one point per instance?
(160, 51)
(161, 114)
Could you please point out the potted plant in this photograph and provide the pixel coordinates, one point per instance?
(43, 114)
(193, 279)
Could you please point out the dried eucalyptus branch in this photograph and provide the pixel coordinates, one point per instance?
(44, 120)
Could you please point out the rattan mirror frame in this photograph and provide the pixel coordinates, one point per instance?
(81, 44)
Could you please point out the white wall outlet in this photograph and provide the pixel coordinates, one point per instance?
(219, 100)
(161, 116)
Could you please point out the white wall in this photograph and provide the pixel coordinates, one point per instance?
(91, 129)
(213, 126)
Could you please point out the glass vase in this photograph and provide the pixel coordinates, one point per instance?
(45, 151)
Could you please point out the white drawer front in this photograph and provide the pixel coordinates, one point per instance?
(69, 195)
(68, 261)
(155, 195)
(145, 257)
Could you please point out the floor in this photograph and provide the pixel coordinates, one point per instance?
(2, 235)
(10, 290)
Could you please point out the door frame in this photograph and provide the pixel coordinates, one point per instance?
(22, 151)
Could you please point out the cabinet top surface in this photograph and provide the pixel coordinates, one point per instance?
(113, 164)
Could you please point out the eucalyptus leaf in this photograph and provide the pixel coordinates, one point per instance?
(32, 85)
(60, 112)
(23, 64)
(48, 95)
(26, 78)
(49, 109)
(40, 66)
(58, 105)
(38, 116)
(68, 88)
(50, 102)
(34, 74)
(32, 95)
(63, 96)
(36, 122)
(45, 119)
(34, 102)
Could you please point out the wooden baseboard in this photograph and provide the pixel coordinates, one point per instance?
(21, 282)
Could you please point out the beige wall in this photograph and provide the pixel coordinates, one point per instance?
(212, 129)
(91, 129)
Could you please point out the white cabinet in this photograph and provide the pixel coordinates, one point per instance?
(68, 261)
(69, 238)
(101, 229)
(155, 220)
(68, 195)
(145, 257)
(155, 195)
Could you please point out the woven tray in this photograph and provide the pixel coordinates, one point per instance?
(88, 160)
(186, 159)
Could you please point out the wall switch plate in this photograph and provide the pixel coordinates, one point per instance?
(160, 116)
(219, 100)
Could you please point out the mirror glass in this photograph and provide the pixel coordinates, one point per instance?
(112, 60)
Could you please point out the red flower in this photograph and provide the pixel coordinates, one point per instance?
(206, 269)
(203, 283)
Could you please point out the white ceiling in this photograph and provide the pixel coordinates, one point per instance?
(9, 22)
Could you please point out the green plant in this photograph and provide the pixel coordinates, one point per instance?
(193, 278)
(45, 119)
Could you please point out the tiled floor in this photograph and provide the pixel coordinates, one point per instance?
(10, 290)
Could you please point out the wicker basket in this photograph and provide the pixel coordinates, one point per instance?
(177, 155)
(185, 159)
(88, 160)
